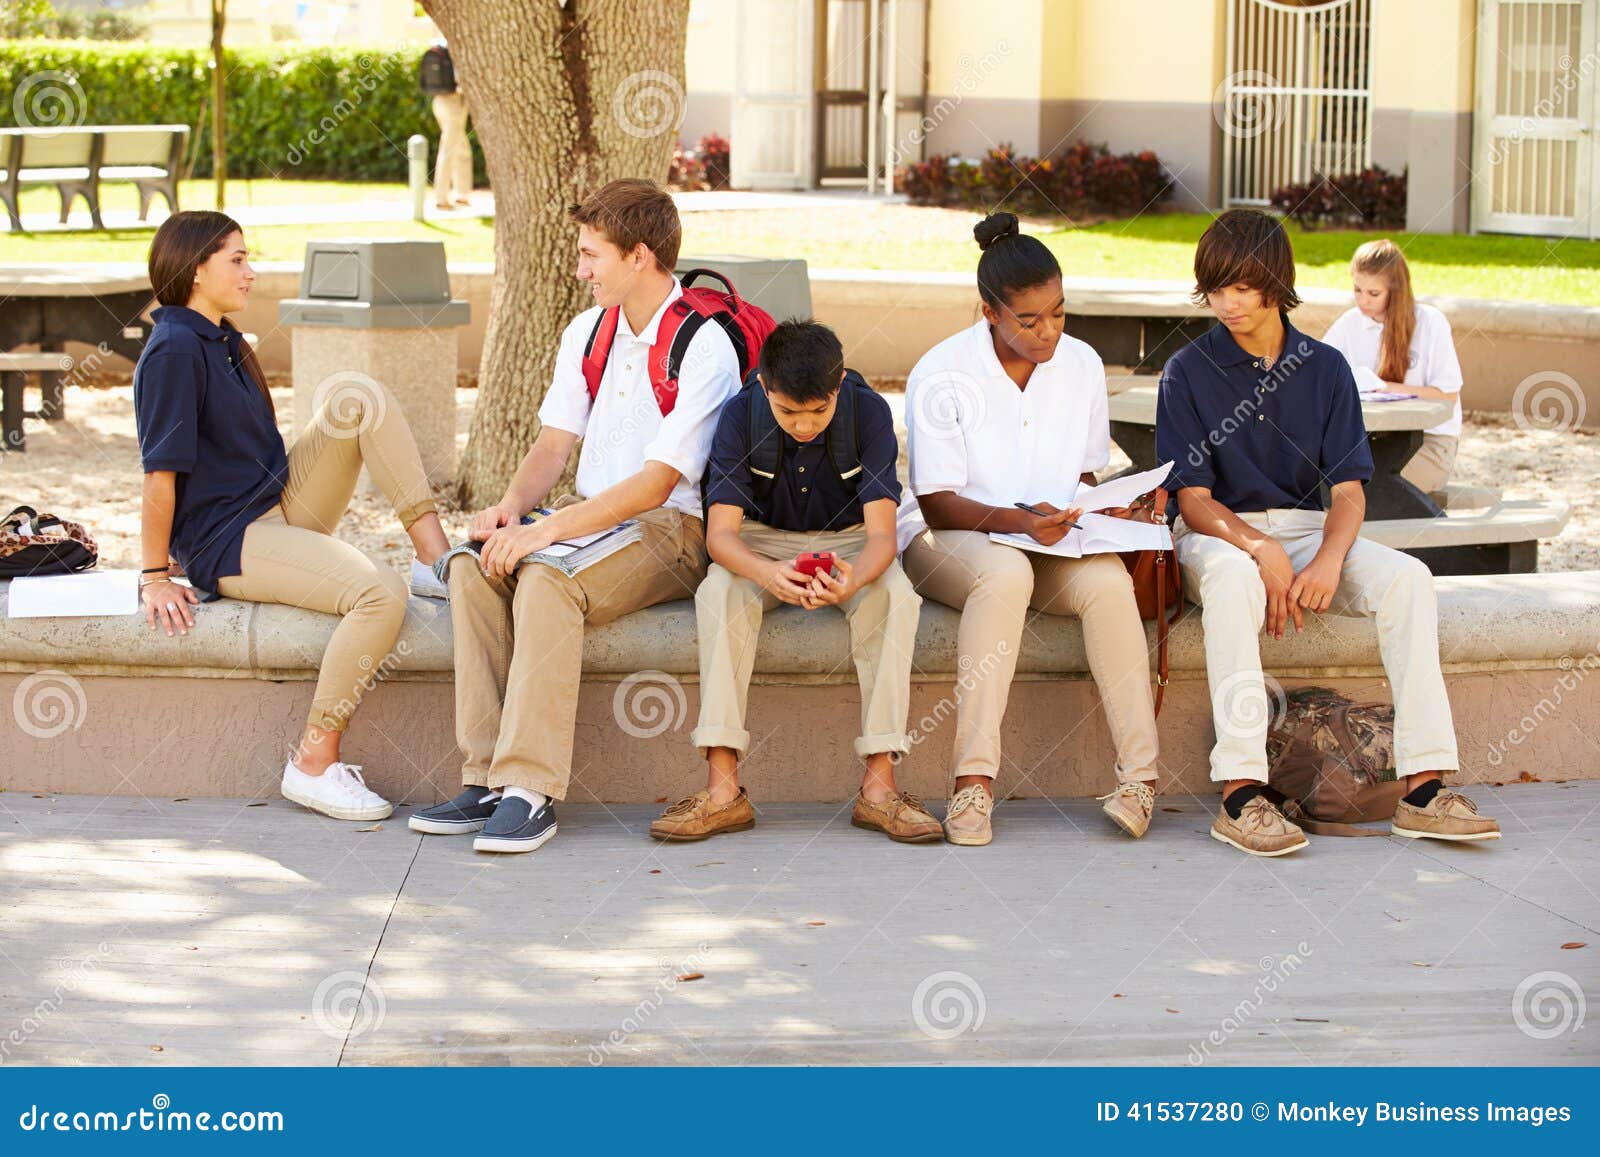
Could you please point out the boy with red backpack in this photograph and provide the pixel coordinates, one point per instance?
(639, 380)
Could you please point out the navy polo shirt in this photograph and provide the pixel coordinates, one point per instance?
(200, 415)
(1260, 438)
(808, 494)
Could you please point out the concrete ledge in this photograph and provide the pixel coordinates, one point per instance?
(211, 714)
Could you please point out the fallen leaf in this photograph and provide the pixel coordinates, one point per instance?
(1172, 809)
(181, 799)
(157, 1049)
(655, 871)
(661, 799)
(1172, 1010)
(688, 976)
(373, 828)
(41, 797)
(1312, 1019)
(1420, 964)
(821, 923)
(1528, 777)
(1116, 996)
(263, 803)
(192, 947)
(1576, 944)
(711, 863)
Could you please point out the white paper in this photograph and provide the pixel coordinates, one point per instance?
(1119, 491)
(97, 592)
(1098, 534)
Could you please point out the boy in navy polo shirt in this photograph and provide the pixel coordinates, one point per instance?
(803, 461)
(1257, 418)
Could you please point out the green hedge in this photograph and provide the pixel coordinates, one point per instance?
(292, 111)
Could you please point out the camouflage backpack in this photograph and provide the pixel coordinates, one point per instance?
(1334, 760)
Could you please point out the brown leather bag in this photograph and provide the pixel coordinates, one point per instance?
(1157, 584)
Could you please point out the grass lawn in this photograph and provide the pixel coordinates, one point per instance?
(899, 237)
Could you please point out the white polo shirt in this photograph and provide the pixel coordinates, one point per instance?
(1432, 360)
(624, 428)
(972, 431)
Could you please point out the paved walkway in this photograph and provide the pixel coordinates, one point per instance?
(391, 208)
(220, 931)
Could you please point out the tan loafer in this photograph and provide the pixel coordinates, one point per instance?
(966, 820)
(1448, 816)
(697, 818)
(1130, 806)
(1260, 830)
(901, 818)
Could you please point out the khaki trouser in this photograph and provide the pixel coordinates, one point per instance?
(1429, 468)
(994, 585)
(883, 632)
(291, 557)
(1395, 589)
(519, 647)
(452, 169)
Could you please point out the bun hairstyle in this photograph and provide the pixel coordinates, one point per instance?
(1011, 261)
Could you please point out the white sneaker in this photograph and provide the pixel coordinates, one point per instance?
(339, 792)
(425, 584)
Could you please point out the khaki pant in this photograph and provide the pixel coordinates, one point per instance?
(994, 585)
(452, 169)
(519, 647)
(1393, 588)
(1429, 468)
(883, 632)
(291, 557)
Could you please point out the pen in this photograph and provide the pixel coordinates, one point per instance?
(1040, 513)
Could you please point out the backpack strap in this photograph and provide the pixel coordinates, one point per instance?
(844, 434)
(765, 440)
(598, 348)
(1165, 582)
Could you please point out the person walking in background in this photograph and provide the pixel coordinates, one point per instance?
(1394, 343)
(452, 170)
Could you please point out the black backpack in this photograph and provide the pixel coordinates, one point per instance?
(766, 438)
(437, 73)
(50, 545)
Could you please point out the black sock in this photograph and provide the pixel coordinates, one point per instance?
(1235, 800)
(1423, 796)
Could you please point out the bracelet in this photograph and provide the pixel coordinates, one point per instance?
(153, 582)
(157, 569)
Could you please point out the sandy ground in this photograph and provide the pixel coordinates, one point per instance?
(86, 467)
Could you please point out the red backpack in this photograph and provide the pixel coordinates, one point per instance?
(746, 325)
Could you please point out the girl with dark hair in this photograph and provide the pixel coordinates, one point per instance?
(1013, 411)
(246, 518)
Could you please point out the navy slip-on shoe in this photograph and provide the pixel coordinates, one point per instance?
(466, 813)
(516, 827)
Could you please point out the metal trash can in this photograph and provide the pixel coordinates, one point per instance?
(379, 311)
(779, 285)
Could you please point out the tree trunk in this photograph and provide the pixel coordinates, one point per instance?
(563, 97)
(219, 89)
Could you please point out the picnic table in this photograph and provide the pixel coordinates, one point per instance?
(1394, 431)
(49, 305)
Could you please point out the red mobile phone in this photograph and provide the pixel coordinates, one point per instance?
(815, 560)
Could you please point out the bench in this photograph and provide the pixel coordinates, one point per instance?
(14, 369)
(209, 715)
(75, 160)
(1500, 539)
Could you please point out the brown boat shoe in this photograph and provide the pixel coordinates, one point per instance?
(900, 817)
(1448, 816)
(1130, 806)
(1260, 830)
(697, 818)
(966, 820)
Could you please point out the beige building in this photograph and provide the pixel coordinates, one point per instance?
(1490, 104)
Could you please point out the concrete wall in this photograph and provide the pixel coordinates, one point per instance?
(1500, 343)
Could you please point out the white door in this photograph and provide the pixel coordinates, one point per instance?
(773, 91)
(1534, 156)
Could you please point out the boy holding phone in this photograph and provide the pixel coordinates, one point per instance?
(800, 497)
